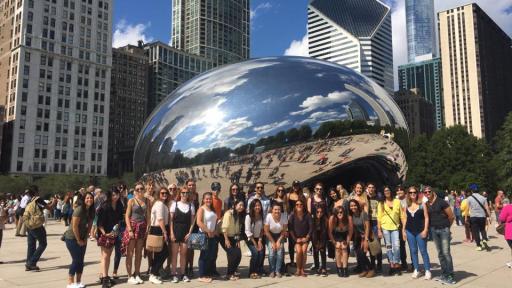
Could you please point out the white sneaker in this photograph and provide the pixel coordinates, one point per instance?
(132, 281)
(139, 281)
(71, 285)
(428, 275)
(154, 279)
(509, 264)
(175, 279)
(415, 274)
(80, 285)
(185, 278)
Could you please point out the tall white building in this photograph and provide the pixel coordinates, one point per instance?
(353, 33)
(55, 66)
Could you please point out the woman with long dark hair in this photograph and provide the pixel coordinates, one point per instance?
(301, 228)
(255, 238)
(319, 241)
(110, 214)
(294, 195)
(76, 238)
(234, 196)
(340, 235)
(231, 223)
(361, 223)
(275, 231)
(317, 199)
(388, 225)
(182, 219)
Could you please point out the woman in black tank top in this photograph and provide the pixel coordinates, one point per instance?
(181, 228)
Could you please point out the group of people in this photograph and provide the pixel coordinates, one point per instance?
(326, 223)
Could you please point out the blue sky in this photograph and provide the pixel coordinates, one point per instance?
(278, 27)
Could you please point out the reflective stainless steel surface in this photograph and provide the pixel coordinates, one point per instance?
(286, 117)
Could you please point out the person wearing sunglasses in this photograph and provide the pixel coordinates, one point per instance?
(182, 219)
(159, 227)
(340, 233)
(300, 228)
(317, 200)
(388, 228)
(293, 196)
(441, 219)
(319, 239)
(234, 195)
(415, 223)
(259, 193)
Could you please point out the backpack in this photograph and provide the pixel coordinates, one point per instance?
(33, 217)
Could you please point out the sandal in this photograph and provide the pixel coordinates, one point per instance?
(205, 280)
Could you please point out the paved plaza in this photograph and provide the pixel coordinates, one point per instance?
(473, 269)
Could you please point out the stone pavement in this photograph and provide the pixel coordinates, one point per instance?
(473, 268)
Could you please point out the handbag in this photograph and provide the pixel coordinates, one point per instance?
(154, 243)
(501, 229)
(197, 241)
(374, 246)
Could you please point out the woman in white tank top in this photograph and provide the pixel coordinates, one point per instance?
(207, 222)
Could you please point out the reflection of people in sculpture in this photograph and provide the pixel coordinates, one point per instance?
(248, 176)
(212, 169)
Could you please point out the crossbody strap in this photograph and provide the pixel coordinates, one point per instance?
(481, 205)
(384, 208)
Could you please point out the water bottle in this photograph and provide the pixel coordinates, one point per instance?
(115, 230)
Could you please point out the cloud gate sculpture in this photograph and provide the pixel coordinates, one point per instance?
(275, 120)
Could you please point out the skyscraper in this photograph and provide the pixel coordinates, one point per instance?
(418, 112)
(216, 29)
(426, 77)
(477, 70)
(421, 36)
(353, 33)
(169, 68)
(128, 104)
(55, 64)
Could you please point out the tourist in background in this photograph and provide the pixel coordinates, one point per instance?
(415, 229)
(76, 238)
(479, 217)
(506, 218)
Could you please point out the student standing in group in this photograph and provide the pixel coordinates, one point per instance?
(415, 229)
(33, 219)
(182, 219)
(506, 218)
(300, 228)
(255, 238)
(279, 198)
(340, 234)
(294, 195)
(373, 201)
(319, 238)
(76, 238)
(402, 196)
(388, 225)
(159, 227)
(441, 218)
(317, 200)
(194, 199)
(110, 214)
(231, 229)
(207, 222)
(234, 195)
(362, 233)
(275, 229)
(137, 213)
(259, 193)
(217, 207)
(480, 216)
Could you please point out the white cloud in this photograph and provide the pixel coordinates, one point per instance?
(261, 7)
(266, 101)
(272, 126)
(498, 10)
(323, 116)
(223, 129)
(298, 47)
(126, 33)
(318, 101)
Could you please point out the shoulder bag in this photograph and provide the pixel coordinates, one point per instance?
(481, 205)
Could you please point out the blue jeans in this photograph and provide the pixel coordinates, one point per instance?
(33, 254)
(207, 258)
(415, 243)
(442, 238)
(77, 256)
(392, 241)
(275, 258)
(257, 258)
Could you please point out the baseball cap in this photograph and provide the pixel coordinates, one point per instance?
(215, 186)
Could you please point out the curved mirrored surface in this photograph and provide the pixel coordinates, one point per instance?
(274, 120)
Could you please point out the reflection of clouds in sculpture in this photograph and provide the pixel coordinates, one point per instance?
(318, 101)
(253, 102)
(271, 127)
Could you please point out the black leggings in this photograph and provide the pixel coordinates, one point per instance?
(403, 253)
(323, 257)
(291, 249)
(362, 260)
(234, 255)
(478, 228)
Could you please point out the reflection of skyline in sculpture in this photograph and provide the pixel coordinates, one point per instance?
(232, 109)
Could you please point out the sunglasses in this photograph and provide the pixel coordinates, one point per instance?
(318, 189)
(319, 212)
(164, 193)
(185, 193)
(139, 189)
(259, 187)
(173, 189)
(427, 192)
(234, 189)
(414, 192)
(340, 213)
(280, 190)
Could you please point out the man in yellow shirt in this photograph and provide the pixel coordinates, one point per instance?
(464, 207)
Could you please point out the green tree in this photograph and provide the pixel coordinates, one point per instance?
(502, 162)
